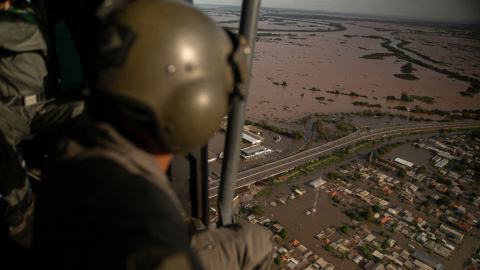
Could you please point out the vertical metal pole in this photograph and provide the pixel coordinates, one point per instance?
(236, 119)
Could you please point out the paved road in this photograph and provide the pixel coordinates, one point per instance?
(253, 175)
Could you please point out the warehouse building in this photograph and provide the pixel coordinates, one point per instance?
(451, 232)
(250, 139)
(254, 151)
(407, 164)
(428, 260)
(317, 183)
(441, 163)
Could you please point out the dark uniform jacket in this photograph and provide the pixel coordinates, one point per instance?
(105, 204)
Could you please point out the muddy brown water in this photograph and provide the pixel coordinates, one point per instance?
(304, 228)
(330, 61)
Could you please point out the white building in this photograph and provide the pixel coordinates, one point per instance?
(404, 162)
(317, 183)
(254, 151)
(250, 139)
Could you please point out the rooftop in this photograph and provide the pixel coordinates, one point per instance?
(428, 260)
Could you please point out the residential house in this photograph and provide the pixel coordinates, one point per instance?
(378, 266)
(383, 203)
(422, 238)
(277, 228)
(368, 265)
(464, 226)
(470, 217)
(369, 238)
(302, 248)
(391, 242)
(320, 236)
(321, 262)
(357, 259)
(377, 254)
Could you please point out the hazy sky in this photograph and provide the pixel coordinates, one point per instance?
(439, 10)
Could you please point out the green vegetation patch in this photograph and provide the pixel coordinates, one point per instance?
(410, 77)
(296, 134)
(426, 99)
(367, 104)
(377, 55)
(407, 68)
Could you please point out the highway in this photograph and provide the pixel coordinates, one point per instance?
(253, 175)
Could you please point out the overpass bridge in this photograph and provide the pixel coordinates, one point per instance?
(256, 174)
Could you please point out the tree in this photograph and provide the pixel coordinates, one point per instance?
(298, 134)
(444, 201)
(405, 97)
(345, 229)
(383, 233)
(394, 230)
(376, 209)
(329, 248)
(402, 173)
(448, 192)
(363, 249)
(421, 170)
(344, 256)
(426, 203)
(333, 176)
(278, 261)
(369, 255)
(284, 83)
(284, 235)
(462, 187)
(369, 214)
(386, 244)
(257, 210)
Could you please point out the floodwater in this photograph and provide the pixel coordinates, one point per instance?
(332, 61)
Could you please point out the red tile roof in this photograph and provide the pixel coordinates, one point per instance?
(472, 267)
(417, 219)
(464, 225)
(469, 216)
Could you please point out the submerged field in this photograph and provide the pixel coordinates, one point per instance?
(328, 54)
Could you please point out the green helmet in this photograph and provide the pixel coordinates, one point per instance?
(173, 68)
